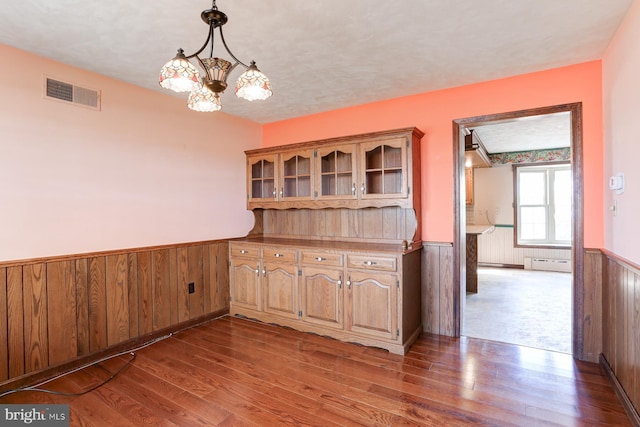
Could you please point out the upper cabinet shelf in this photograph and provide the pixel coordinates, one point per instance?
(371, 170)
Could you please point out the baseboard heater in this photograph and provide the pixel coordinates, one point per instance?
(548, 264)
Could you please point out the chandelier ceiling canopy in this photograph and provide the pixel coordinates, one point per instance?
(180, 75)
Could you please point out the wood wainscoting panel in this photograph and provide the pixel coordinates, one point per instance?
(430, 288)
(15, 321)
(62, 316)
(183, 294)
(97, 307)
(216, 277)
(632, 320)
(592, 305)
(4, 337)
(36, 341)
(438, 296)
(196, 276)
(58, 311)
(161, 295)
(117, 293)
(132, 296)
(621, 325)
(140, 293)
(82, 306)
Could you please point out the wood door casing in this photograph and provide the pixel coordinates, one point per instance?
(455, 299)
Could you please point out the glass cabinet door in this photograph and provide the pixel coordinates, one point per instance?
(384, 169)
(262, 178)
(297, 175)
(337, 168)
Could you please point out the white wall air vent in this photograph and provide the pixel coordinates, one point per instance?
(67, 92)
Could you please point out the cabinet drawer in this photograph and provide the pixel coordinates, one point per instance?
(321, 258)
(372, 262)
(243, 250)
(279, 254)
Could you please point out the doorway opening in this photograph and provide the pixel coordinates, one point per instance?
(540, 275)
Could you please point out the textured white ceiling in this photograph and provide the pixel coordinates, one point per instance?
(527, 133)
(320, 55)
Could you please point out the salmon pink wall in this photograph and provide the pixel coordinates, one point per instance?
(145, 170)
(621, 88)
(433, 113)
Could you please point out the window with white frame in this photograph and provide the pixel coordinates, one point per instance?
(543, 204)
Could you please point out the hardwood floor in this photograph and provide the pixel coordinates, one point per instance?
(233, 371)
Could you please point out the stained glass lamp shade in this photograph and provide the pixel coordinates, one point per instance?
(179, 75)
(203, 100)
(252, 84)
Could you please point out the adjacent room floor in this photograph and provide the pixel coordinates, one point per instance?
(524, 307)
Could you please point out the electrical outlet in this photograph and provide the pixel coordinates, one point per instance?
(192, 287)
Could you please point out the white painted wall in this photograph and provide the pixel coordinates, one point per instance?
(144, 171)
(493, 194)
(496, 247)
(621, 107)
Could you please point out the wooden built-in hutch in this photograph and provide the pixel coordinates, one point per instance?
(336, 245)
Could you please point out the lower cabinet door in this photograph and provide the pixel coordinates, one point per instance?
(372, 304)
(280, 287)
(322, 297)
(244, 280)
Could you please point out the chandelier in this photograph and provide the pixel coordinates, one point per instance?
(180, 75)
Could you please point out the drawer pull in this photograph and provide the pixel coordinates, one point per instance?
(277, 255)
(369, 263)
(243, 251)
(319, 258)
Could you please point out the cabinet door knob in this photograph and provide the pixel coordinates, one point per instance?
(258, 271)
(264, 271)
(349, 282)
(363, 189)
(282, 192)
(340, 282)
(319, 258)
(353, 189)
(275, 193)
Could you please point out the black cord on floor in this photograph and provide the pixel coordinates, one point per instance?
(59, 393)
